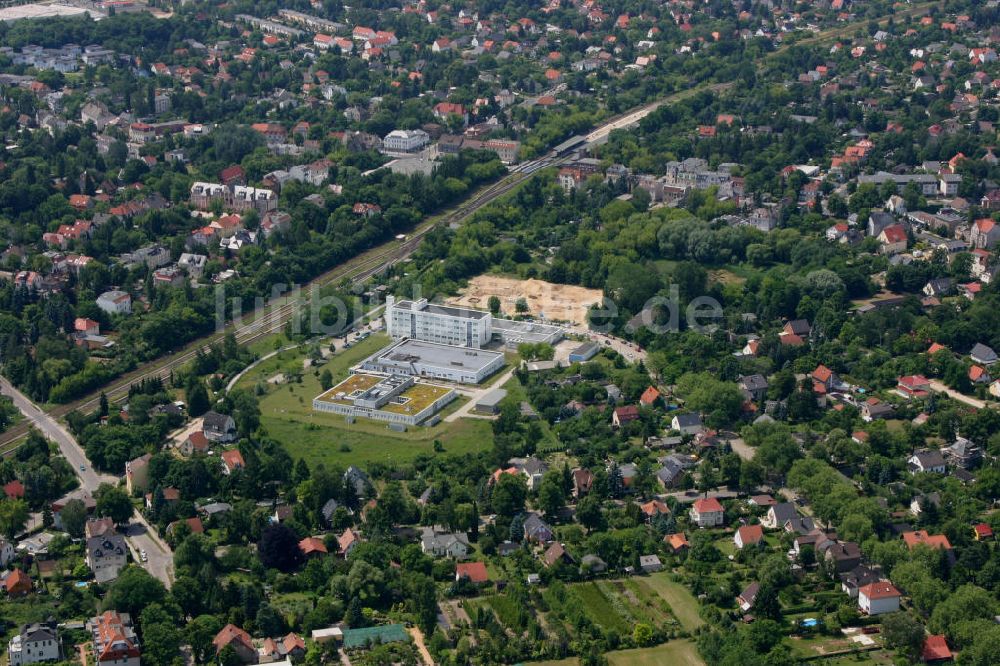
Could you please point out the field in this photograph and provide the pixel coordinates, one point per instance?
(675, 653)
(682, 602)
(288, 417)
(555, 301)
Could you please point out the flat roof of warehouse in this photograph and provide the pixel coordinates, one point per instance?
(442, 356)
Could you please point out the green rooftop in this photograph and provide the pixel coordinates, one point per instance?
(387, 633)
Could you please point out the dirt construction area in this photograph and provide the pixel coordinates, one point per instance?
(558, 302)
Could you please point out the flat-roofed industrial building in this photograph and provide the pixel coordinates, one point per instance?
(417, 358)
(396, 399)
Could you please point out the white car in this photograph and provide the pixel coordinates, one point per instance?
(142, 556)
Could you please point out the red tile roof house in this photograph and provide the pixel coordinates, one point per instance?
(232, 460)
(475, 572)
(935, 649)
(707, 512)
(17, 583)
(748, 535)
(649, 397)
(913, 386)
(878, 598)
(623, 415)
(312, 546)
(239, 640)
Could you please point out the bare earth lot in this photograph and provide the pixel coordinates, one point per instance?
(553, 301)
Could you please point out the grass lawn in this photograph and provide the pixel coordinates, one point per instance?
(599, 608)
(675, 653)
(682, 602)
(287, 415)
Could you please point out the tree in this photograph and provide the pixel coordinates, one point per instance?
(509, 493)
(114, 503)
(133, 590)
(326, 379)
(494, 304)
(200, 632)
(74, 518)
(197, 399)
(904, 633)
(160, 636)
(642, 634)
(13, 517)
(279, 548)
(589, 514)
(550, 494)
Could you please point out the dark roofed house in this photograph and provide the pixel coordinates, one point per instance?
(583, 479)
(219, 427)
(748, 596)
(536, 529)
(926, 462)
(982, 354)
(357, 480)
(861, 575)
(778, 514)
(841, 556)
(754, 387)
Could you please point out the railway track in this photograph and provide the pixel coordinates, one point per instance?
(272, 317)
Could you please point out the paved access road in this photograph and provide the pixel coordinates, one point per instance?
(140, 535)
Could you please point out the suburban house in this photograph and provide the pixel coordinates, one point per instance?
(537, 530)
(196, 442)
(114, 640)
(115, 302)
(232, 461)
(748, 597)
(35, 643)
(982, 354)
(137, 474)
(649, 564)
(748, 535)
(840, 556)
(863, 574)
(779, 514)
(878, 598)
(688, 424)
(474, 572)
(754, 387)
(913, 386)
(438, 542)
(347, 541)
(623, 415)
(707, 512)
(17, 584)
(926, 462)
(555, 554)
(239, 640)
(107, 555)
(219, 427)
(583, 479)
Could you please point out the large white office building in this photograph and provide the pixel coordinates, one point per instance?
(405, 141)
(443, 324)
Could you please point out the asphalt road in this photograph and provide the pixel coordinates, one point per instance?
(139, 534)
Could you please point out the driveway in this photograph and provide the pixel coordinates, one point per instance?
(938, 387)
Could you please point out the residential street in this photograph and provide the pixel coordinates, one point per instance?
(140, 534)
